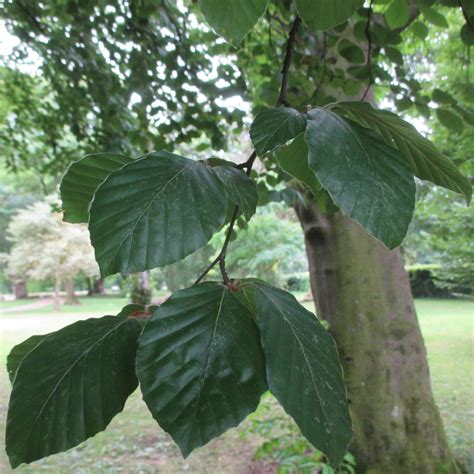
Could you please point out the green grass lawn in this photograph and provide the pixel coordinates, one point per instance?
(134, 443)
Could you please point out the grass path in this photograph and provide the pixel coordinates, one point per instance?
(133, 443)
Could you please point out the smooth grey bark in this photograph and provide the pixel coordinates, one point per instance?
(362, 290)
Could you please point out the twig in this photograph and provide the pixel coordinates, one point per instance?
(369, 51)
(248, 164)
(287, 62)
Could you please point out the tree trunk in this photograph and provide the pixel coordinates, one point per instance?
(95, 286)
(19, 289)
(56, 294)
(71, 298)
(362, 290)
(141, 292)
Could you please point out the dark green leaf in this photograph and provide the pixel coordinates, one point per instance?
(200, 364)
(293, 159)
(442, 97)
(434, 17)
(241, 190)
(369, 180)
(275, 126)
(70, 386)
(351, 52)
(397, 14)
(467, 35)
(155, 211)
(18, 353)
(233, 19)
(325, 14)
(303, 370)
(81, 180)
(420, 30)
(450, 120)
(394, 55)
(426, 161)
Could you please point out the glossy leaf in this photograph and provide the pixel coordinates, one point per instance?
(241, 190)
(426, 161)
(19, 352)
(233, 19)
(293, 159)
(81, 180)
(200, 364)
(325, 14)
(397, 14)
(369, 180)
(155, 211)
(70, 386)
(303, 370)
(274, 127)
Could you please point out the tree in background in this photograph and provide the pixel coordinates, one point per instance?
(46, 248)
(359, 286)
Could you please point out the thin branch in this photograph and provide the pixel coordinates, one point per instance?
(248, 164)
(287, 61)
(369, 51)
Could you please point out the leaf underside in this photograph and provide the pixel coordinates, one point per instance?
(200, 364)
(233, 19)
(325, 14)
(70, 386)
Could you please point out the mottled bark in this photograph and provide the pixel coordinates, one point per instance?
(95, 286)
(19, 289)
(71, 298)
(141, 291)
(363, 291)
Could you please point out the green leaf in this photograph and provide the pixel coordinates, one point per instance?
(200, 364)
(369, 180)
(81, 180)
(19, 352)
(351, 52)
(450, 120)
(442, 97)
(70, 386)
(434, 17)
(242, 190)
(274, 127)
(467, 35)
(397, 14)
(293, 159)
(303, 370)
(155, 211)
(394, 55)
(325, 14)
(420, 30)
(233, 19)
(426, 161)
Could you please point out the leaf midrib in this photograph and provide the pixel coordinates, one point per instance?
(82, 355)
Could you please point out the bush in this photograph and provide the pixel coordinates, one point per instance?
(424, 283)
(298, 282)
